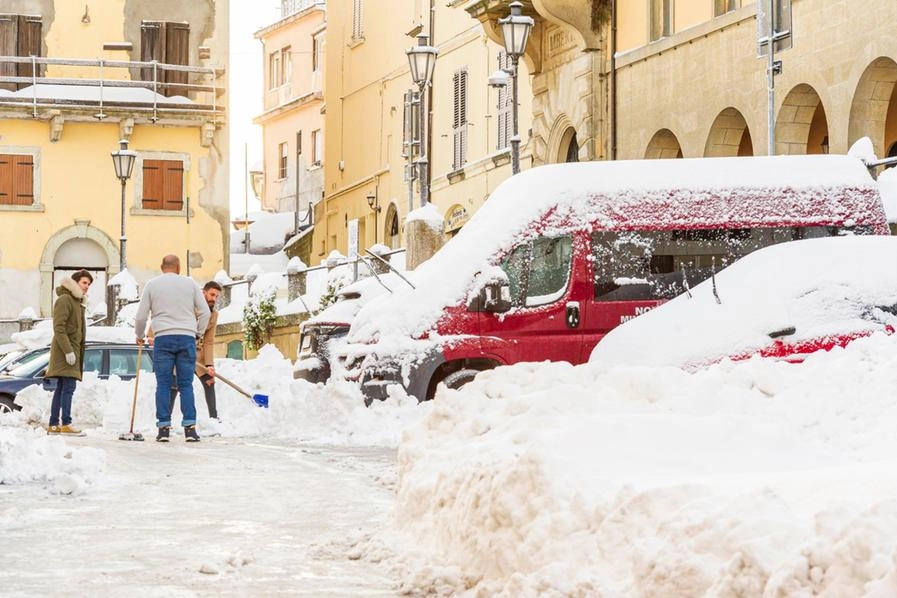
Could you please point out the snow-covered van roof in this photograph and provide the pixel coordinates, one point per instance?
(725, 192)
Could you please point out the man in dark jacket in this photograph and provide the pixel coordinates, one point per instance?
(67, 348)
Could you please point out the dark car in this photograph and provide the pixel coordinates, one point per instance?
(106, 359)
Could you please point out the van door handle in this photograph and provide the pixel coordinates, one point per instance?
(573, 314)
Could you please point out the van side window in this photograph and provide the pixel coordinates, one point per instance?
(515, 267)
(549, 269)
(653, 265)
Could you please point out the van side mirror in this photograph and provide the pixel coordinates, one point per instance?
(496, 297)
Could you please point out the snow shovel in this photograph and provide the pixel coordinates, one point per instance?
(258, 399)
(131, 435)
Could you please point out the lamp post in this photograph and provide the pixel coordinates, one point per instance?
(515, 29)
(374, 205)
(123, 161)
(422, 60)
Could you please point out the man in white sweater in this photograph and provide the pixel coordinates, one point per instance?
(180, 316)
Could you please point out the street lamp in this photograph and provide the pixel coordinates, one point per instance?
(422, 61)
(374, 205)
(515, 28)
(123, 160)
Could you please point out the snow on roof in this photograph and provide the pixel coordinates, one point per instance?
(41, 336)
(266, 235)
(821, 287)
(90, 93)
(820, 189)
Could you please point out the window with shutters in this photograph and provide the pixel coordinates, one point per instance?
(17, 180)
(721, 7)
(661, 19)
(317, 52)
(282, 161)
(505, 101)
(20, 35)
(317, 147)
(357, 20)
(163, 185)
(166, 43)
(459, 119)
(286, 66)
(274, 70)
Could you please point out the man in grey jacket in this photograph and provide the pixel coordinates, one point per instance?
(180, 316)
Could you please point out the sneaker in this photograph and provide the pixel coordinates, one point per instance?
(162, 436)
(53, 430)
(190, 434)
(70, 430)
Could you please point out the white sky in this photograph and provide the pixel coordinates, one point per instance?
(246, 92)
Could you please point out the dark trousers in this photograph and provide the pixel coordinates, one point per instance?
(62, 400)
(207, 389)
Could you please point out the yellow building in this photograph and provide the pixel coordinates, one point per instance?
(683, 77)
(292, 122)
(368, 118)
(74, 80)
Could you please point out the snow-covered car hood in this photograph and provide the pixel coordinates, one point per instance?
(829, 288)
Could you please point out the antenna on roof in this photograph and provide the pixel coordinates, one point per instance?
(713, 277)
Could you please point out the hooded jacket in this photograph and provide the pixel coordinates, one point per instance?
(69, 331)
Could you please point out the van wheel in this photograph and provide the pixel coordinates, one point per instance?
(456, 380)
(7, 405)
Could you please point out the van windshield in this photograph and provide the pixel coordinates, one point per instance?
(655, 265)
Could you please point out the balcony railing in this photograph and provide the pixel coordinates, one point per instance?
(291, 7)
(153, 88)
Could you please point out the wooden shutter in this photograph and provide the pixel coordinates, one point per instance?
(29, 44)
(6, 178)
(459, 121)
(153, 185)
(173, 177)
(357, 19)
(23, 180)
(177, 51)
(9, 25)
(152, 47)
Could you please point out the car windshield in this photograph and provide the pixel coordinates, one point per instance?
(9, 358)
(28, 367)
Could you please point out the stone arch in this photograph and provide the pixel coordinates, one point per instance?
(729, 136)
(873, 112)
(80, 230)
(392, 231)
(664, 144)
(562, 135)
(802, 126)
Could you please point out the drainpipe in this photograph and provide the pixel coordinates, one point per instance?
(613, 80)
(429, 106)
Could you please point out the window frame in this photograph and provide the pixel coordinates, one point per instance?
(283, 160)
(317, 148)
(137, 208)
(35, 154)
(667, 24)
(460, 118)
(273, 70)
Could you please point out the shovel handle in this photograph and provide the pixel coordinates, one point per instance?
(226, 381)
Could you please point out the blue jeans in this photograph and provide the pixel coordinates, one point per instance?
(175, 353)
(62, 399)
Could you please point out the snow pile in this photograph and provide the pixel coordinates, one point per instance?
(755, 478)
(427, 214)
(30, 456)
(887, 186)
(824, 288)
(127, 285)
(28, 313)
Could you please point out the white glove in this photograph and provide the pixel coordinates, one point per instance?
(70, 358)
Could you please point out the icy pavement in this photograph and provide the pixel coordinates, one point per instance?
(227, 516)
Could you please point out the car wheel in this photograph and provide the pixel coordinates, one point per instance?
(456, 380)
(7, 405)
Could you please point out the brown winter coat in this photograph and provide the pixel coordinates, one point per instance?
(69, 331)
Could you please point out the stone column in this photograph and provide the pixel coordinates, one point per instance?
(378, 266)
(422, 238)
(25, 323)
(296, 281)
(224, 298)
(112, 303)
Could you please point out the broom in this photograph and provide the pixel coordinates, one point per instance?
(131, 435)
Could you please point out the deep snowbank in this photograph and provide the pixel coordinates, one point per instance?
(30, 456)
(756, 478)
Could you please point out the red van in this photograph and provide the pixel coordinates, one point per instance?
(560, 255)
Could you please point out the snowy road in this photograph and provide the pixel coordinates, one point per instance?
(225, 517)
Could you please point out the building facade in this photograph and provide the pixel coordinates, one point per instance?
(74, 81)
(370, 124)
(684, 78)
(293, 120)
